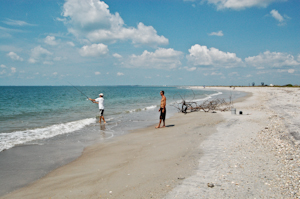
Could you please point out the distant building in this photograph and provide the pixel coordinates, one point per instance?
(271, 85)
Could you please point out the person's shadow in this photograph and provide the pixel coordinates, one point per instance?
(171, 125)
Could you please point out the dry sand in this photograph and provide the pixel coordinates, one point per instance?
(200, 155)
(254, 155)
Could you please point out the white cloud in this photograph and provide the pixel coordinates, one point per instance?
(215, 73)
(17, 23)
(97, 73)
(202, 56)
(291, 70)
(160, 59)
(234, 74)
(2, 66)
(13, 69)
(220, 33)
(50, 40)
(190, 69)
(272, 59)
(92, 19)
(71, 43)
(32, 61)
(93, 50)
(240, 4)
(285, 71)
(277, 16)
(55, 73)
(261, 72)
(39, 54)
(48, 62)
(116, 55)
(282, 20)
(2, 72)
(120, 74)
(14, 56)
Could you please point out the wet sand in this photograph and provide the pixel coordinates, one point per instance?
(143, 164)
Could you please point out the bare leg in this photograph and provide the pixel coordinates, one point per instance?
(103, 119)
(164, 125)
(158, 126)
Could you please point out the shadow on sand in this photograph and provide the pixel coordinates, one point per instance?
(171, 125)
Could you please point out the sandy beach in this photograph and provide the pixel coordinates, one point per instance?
(198, 155)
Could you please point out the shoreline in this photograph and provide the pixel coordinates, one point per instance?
(25, 164)
(130, 166)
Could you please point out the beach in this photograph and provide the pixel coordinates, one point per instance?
(198, 155)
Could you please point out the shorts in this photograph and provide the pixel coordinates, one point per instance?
(162, 114)
(101, 112)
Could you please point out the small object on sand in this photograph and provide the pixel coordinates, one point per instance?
(211, 185)
(181, 178)
(233, 111)
(241, 112)
(214, 112)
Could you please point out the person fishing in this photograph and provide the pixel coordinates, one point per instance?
(100, 102)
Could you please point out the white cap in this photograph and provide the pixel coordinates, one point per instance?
(101, 94)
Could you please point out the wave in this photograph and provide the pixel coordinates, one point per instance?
(9, 140)
(142, 109)
(203, 99)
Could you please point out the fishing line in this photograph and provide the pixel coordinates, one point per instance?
(79, 91)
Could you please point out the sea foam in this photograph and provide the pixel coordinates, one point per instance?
(9, 140)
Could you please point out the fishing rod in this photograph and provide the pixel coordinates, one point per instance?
(79, 90)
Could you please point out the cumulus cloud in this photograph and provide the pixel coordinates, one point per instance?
(276, 15)
(116, 55)
(97, 73)
(93, 50)
(190, 69)
(241, 4)
(202, 56)
(39, 54)
(13, 69)
(50, 40)
(71, 43)
(272, 59)
(92, 19)
(160, 59)
(220, 33)
(14, 56)
(216, 73)
(285, 71)
(291, 70)
(2, 66)
(120, 74)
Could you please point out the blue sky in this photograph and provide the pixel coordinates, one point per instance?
(136, 42)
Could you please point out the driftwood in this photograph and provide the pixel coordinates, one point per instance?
(206, 106)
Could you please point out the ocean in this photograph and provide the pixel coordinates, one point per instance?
(39, 112)
(45, 127)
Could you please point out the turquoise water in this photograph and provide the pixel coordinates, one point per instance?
(40, 112)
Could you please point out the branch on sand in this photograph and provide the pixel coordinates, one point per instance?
(206, 106)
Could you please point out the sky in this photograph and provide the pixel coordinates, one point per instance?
(149, 42)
